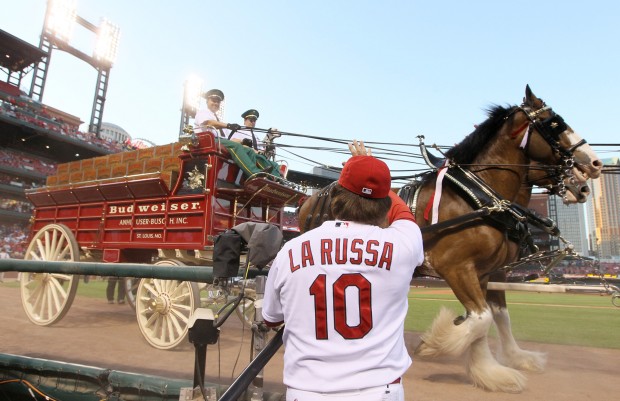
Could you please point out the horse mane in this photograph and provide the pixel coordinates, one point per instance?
(465, 151)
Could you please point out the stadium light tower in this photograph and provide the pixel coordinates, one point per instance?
(192, 91)
(60, 20)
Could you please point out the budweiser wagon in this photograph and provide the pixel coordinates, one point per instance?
(162, 205)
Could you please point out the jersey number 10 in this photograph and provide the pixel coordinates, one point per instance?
(318, 290)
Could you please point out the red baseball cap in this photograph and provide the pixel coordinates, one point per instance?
(366, 176)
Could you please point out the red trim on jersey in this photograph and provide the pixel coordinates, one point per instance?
(399, 209)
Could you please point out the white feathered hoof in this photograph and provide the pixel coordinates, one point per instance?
(434, 340)
(446, 338)
(485, 372)
(528, 361)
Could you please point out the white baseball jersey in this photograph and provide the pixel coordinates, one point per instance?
(341, 290)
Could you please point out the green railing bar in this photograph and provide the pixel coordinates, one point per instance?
(74, 382)
(185, 273)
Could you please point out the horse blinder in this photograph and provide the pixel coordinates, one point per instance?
(550, 130)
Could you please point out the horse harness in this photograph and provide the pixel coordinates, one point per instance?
(320, 210)
(487, 203)
(550, 130)
(484, 200)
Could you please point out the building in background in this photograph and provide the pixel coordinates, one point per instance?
(571, 220)
(606, 212)
(114, 133)
(539, 203)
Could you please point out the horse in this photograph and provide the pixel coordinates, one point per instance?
(467, 248)
(572, 185)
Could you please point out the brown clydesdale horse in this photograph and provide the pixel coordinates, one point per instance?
(505, 154)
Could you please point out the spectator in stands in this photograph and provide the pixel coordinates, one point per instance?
(40, 118)
(120, 295)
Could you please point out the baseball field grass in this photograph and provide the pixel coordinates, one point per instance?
(558, 318)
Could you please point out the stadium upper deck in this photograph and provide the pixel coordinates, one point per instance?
(33, 139)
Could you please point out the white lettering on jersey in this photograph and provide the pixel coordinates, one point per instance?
(341, 251)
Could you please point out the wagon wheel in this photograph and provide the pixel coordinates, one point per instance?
(47, 297)
(163, 308)
(131, 289)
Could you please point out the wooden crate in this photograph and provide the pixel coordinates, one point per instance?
(51, 180)
(118, 170)
(103, 172)
(152, 165)
(89, 174)
(163, 150)
(129, 156)
(74, 166)
(62, 178)
(88, 163)
(115, 158)
(62, 168)
(170, 178)
(172, 163)
(99, 162)
(146, 153)
(135, 167)
(75, 176)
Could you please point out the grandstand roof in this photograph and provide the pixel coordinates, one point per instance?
(16, 54)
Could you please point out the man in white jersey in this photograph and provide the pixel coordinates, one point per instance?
(341, 291)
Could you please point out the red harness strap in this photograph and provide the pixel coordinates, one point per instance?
(429, 207)
(514, 133)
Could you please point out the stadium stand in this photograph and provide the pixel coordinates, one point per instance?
(34, 139)
(13, 237)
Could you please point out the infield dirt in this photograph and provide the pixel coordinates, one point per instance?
(103, 335)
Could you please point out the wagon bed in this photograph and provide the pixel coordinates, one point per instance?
(164, 205)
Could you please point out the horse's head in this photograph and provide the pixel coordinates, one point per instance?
(549, 139)
(571, 185)
(577, 188)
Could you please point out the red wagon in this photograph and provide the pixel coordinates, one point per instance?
(163, 205)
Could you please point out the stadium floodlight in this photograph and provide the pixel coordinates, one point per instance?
(192, 92)
(61, 19)
(106, 45)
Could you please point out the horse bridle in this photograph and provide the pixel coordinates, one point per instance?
(550, 130)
